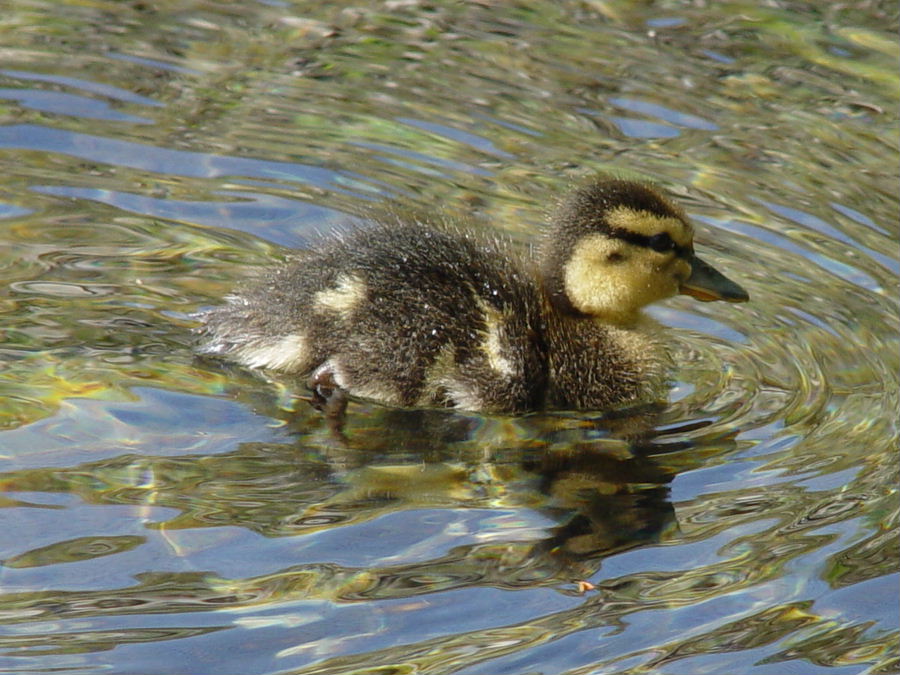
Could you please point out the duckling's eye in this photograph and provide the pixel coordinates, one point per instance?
(615, 257)
(661, 242)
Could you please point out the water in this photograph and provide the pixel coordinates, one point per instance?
(168, 515)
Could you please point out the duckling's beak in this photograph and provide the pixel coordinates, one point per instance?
(706, 283)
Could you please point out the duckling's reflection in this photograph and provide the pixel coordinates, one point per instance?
(602, 491)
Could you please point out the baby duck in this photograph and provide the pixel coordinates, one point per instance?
(416, 314)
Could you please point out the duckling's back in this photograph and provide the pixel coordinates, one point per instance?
(401, 313)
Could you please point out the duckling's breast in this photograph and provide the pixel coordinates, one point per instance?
(592, 365)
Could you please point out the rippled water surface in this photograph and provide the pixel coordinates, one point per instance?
(165, 514)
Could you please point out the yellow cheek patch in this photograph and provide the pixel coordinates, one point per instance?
(648, 224)
(587, 280)
(615, 291)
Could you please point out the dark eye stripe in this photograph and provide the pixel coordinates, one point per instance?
(650, 242)
(662, 242)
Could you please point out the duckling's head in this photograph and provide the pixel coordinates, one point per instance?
(616, 246)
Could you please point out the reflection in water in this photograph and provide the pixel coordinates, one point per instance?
(510, 516)
(595, 500)
(166, 514)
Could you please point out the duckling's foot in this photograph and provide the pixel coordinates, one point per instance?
(327, 396)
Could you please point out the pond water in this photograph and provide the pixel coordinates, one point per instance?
(166, 514)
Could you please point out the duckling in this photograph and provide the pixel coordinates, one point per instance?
(434, 315)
